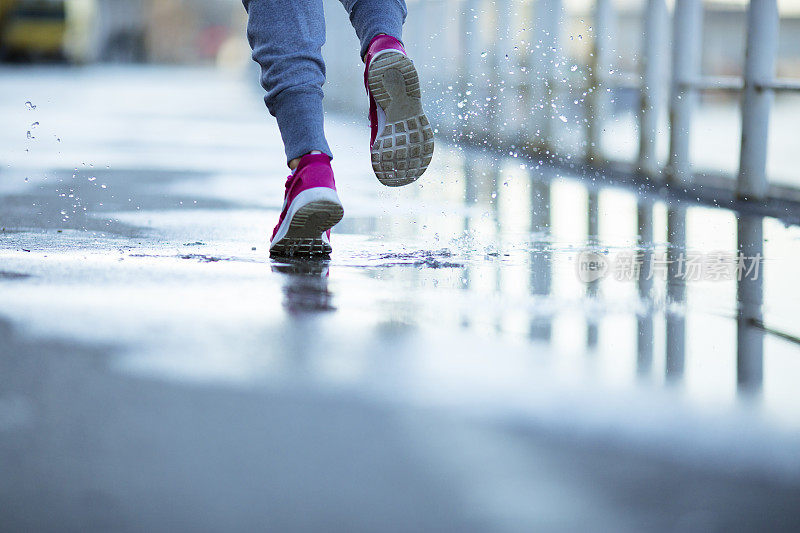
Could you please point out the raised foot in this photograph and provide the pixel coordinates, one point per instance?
(403, 150)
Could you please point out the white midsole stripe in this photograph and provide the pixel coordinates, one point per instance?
(306, 197)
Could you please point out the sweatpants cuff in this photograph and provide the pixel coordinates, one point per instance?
(373, 17)
(300, 119)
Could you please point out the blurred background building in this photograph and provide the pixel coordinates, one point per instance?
(87, 31)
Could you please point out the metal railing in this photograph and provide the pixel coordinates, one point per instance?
(497, 77)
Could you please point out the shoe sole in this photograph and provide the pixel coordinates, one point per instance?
(304, 236)
(403, 150)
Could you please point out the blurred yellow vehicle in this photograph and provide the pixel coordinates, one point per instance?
(32, 29)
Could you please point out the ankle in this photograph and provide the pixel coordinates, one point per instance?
(296, 161)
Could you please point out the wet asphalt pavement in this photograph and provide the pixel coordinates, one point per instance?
(445, 370)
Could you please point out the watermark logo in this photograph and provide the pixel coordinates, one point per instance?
(684, 266)
(592, 266)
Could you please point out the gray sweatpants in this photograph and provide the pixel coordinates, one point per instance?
(287, 37)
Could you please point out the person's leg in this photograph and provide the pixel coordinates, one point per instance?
(374, 17)
(287, 37)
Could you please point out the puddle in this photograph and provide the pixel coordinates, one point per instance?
(430, 259)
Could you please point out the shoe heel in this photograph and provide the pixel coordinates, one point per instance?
(304, 235)
(315, 218)
(403, 150)
(399, 62)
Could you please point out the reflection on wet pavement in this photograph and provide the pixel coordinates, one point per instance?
(305, 285)
(479, 349)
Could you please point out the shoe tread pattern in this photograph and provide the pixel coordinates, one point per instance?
(403, 150)
(304, 236)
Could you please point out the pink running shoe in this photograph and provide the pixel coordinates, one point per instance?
(402, 138)
(311, 208)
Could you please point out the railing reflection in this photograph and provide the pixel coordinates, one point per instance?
(305, 285)
(540, 257)
(593, 286)
(644, 319)
(462, 47)
(676, 293)
(662, 285)
(750, 335)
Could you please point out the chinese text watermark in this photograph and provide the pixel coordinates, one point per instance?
(684, 266)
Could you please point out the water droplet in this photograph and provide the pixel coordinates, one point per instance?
(483, 54)
(562, 118)
(573, 68)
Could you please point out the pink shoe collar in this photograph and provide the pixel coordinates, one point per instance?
(310, 159)
(380, 43)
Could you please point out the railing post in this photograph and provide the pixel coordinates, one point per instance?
(471, 39)
(601, 65)
(652, 71)
(503, 58)
(547, 17)
(422, 46)
(686, 41)
(466, 71)
(676, 294)
(759, 71)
